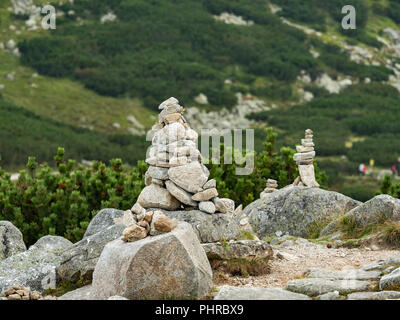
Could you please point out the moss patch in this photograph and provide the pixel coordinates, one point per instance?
(65, 286)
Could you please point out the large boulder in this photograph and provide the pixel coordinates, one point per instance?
(208, 228)
(296, 210)
(378, 209)
(36, 267)
(235, 293)
(169, 265)
(244, 249)
(102, 220)
(79, 260)
(11, 240)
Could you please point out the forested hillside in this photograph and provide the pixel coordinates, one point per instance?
(102, 73)
(23, 132)
(163, 48)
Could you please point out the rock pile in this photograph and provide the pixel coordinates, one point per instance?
(304, 159)
(142, 223)
(176, 177)
(271, 186)
(20, 293)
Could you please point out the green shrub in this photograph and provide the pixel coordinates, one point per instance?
(358, 192)
(63, 202)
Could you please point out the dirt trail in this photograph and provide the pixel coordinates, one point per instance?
(291, 262)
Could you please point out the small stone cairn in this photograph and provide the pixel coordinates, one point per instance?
(142, 224)
(21, 293)
(304, 159)
(177, 178)
(271, 186)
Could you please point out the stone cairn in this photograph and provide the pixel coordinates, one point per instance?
(21, 293)
(176, 178)
(271, 186)
(304, 159)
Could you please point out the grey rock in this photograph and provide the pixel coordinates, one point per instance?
(343, 274)
(295, 209)
(391, 280)
(245, 249)
(335, 236)
(236, 293)
(334, 295)
(382, 264)
(35, 267)
(53, 243)
(302, 241)
(389, 269)
(169, 265)
(180, 194)
(158, 173)
(275, 241)
(207, 207)
(337, 243)
(154, 196)
(84, 293)
(287, 243)
(117, 298)
(383, 295)
(394, 35)
(379, 208)
(317, 286)
(210, 184)
(208, 228)
(224, 205)
(11, 240)
(205, 195)
(80, 260)
(102, 220)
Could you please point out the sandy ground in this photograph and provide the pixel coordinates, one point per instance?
(291, 262)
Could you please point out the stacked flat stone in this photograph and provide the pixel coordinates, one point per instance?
(177, 178)
(271, 186)
(304, 159)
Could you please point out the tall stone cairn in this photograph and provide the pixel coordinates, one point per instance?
(177, 178)
(304, 159)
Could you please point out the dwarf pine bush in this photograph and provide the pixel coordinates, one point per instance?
(62, 202)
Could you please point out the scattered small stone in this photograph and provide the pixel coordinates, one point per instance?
(20, 293)
(134, 233)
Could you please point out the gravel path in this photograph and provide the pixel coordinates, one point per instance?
(291, 262)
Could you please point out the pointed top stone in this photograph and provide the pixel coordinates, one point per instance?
(168, 102)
